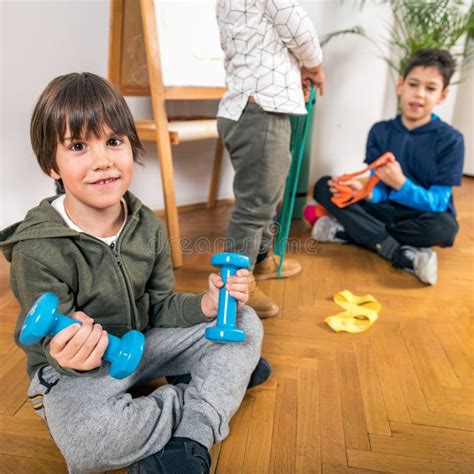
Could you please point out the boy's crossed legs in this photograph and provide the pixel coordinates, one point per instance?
(395, 232)
(97, 424)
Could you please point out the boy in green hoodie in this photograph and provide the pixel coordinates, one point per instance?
(105, 255)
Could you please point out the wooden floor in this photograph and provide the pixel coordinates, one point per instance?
(398, 398)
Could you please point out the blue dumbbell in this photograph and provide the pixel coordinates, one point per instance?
(124, 354)
(225, 329)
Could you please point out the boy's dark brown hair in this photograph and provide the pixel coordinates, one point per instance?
(441, 59)
(81, 103)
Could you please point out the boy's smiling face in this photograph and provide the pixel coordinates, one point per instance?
(420, 92)
(96, 172)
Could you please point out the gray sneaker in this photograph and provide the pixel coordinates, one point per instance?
(325, 230)
(425, 263)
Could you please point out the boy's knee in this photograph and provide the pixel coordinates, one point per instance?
(81, 459)
(446, 229)
(249, 321)
(113, 434)
(321, 190)
(261, 213)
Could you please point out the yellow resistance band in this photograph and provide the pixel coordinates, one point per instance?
(360, 312)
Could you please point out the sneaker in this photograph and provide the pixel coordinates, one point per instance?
(424, 261)
(325, 230)
(264, 305)
(260, 375)
(180, 455)
(268, 268)
(312, 212)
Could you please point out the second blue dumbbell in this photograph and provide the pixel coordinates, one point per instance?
(226, 329)
(124, 354)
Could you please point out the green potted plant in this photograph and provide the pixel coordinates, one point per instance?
(429, 24)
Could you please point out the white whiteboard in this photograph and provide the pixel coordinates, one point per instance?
(189, 43)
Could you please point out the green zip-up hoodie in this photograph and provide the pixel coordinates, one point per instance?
(122, 287)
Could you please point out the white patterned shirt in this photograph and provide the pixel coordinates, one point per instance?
(266, 42)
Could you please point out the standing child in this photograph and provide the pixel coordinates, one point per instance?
(105, 255)
(270, 49)
(411, 209)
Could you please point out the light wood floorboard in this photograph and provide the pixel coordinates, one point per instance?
(397, 398)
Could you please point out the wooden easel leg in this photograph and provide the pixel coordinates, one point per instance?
(216, 171)
(163, 148)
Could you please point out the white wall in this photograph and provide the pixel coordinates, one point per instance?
(463, 116)
(356, 89)
(42, 39)
(39, 41)
(360, 86)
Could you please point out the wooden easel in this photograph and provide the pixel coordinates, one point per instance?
(135, 68)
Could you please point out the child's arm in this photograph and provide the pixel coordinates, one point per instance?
(379, 194)
(169, 308)
(374, 148)
(406, 192)
(297, 32)
(77, 350)
(434, 199)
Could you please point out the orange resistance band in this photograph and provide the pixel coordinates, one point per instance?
(346, 196)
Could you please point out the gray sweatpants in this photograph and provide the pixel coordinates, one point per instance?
(259, 148)
(98, 426)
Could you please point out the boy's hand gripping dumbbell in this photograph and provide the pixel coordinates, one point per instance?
(124, 354)
(225, 329)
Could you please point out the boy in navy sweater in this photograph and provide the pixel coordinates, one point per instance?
(411, 209)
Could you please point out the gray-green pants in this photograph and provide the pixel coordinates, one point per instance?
(98, 426)
(259, 148)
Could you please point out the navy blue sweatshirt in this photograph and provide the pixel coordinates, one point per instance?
(431, 157)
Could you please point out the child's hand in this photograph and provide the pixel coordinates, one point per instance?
(353, 184)
(316, 77)
(237, 286)
(391, 174)
(80, 347)
(306, 85)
